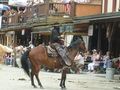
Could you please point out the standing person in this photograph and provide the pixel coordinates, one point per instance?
(67, 5)
(56, 41)
(31, 45)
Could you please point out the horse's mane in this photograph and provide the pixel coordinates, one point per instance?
(75, 37)
(75, 41)
(74, 44)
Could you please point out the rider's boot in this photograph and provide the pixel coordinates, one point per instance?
(62, 53)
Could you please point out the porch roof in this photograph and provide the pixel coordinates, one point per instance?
(97, 17)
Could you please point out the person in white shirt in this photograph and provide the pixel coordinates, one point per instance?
(31, 45)
(79, 58)
(94, 58)
(79, 61)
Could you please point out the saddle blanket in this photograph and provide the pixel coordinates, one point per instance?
(51, 52)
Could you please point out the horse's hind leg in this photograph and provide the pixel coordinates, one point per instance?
(32, 79)
(39, 83)
(37, 69)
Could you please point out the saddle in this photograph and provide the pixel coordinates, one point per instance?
(51, 51)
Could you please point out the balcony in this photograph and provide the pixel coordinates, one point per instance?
(48, 13)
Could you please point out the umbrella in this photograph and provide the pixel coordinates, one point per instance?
(4, 7)
(20, 3)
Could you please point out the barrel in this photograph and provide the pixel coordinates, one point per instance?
(110, 73)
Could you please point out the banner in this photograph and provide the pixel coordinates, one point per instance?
(0, 22)
(21, 3)
(90, 30)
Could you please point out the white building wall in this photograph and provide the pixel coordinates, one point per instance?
(109, 8)
(103, 6)
(86, 40)
(117, 5)
(68, 39)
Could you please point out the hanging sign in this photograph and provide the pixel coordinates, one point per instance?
(23, 32)
(90, 30)
(0, 22)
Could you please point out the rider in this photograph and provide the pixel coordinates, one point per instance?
(56, 40)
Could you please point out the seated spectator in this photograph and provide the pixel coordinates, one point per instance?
(94, 64)
(106, 60)
(79, 59)
(88, 56)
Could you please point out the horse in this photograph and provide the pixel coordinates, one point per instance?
(3, 51)
(38, 56)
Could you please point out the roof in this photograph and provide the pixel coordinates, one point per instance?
(98, 17)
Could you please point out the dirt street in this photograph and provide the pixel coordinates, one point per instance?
(12, 78)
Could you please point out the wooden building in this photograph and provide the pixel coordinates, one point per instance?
(36, 22)
(106, 32)
(104, 28)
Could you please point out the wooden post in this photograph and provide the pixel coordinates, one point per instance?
(72, 9)
(99, 37)
(46, 8)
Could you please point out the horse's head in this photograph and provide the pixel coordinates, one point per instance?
(82, 45)
(77, 44)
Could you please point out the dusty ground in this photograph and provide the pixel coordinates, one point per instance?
(10, 79)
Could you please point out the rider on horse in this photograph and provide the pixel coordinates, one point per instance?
(56, 41)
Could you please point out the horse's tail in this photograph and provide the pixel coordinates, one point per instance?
(25, 62)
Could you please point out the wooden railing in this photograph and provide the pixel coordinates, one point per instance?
(59, 8)
(34, 13)
(90, 1)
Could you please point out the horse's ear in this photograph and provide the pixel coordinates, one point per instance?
(75, 37)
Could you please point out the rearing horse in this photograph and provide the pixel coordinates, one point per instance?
(38, 56)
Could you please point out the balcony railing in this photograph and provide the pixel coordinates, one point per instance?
(32, 13)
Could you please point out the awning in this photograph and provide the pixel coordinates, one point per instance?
(44, 30)
(4, 7)
(97, 17)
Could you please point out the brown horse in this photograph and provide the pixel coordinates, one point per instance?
(38, 56)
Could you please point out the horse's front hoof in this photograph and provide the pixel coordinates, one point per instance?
(41, 87)
(63, 88)
(34, 86)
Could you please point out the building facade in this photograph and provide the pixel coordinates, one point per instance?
(110, 6)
